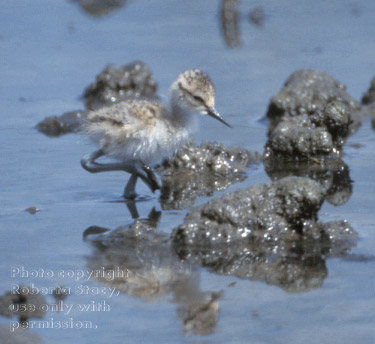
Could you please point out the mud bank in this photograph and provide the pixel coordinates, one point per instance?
(267, 232)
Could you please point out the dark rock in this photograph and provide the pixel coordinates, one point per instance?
(270, 212)
(113, 85)
(69, 122)
(202, 170)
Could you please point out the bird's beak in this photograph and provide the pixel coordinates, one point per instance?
(213, 113)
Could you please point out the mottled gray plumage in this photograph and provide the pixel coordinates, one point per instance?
(141, 133)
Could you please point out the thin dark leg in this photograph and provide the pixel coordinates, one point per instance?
(129, 192)
(132, 207)
(151, 176)
(89, 164)
(136, 169)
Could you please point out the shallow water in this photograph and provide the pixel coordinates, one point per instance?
(52, 50)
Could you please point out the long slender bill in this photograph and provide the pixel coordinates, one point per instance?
(214, 114)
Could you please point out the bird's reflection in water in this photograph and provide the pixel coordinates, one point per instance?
(152, 270)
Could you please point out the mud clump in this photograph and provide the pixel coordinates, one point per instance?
(267, 233)
(268, 212)
(298, 137)
(308, 92)
(311, 116)
(310, 119)
(114, 85)
(202, 170)
(69, 122)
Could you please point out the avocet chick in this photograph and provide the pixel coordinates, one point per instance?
(140, 134)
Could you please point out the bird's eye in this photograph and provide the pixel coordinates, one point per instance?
(198, 99)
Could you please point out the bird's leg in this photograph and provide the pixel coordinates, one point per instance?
(129, 192)
(147, 175)
(151, 176)
(132, 207)
(89, 164)
(136, 169)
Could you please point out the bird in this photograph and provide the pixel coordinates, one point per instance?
(140, 134)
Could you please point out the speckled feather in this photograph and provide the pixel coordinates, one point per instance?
(135, 130)
(147, 131)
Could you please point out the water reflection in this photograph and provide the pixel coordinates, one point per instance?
(257, 16)
(99, 8)
(230, 17)
(293, 265)
(229, 23)
(152, 270)
(331, 173)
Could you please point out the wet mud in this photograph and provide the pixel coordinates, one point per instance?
(113, 85)
(309, 122)
(310, 117)
(69, 122)
(202, 170)
(267, 232)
